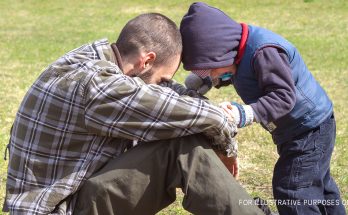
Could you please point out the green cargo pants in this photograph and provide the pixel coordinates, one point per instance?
(144, 179)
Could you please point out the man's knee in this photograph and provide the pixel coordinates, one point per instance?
(195, 142)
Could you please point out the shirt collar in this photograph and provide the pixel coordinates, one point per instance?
(105, 51)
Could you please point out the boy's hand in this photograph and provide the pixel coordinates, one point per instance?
(231, 164)
(231, 112)
(242, 115)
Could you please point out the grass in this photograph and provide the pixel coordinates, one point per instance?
(34, 33)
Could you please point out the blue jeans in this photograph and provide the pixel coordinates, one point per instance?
(302, 183)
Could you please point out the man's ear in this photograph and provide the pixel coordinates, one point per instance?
(148, 59)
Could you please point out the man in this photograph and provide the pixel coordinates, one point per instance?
(270, 76)
(82, 117)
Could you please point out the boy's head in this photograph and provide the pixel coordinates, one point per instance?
(210, 40)
(150, 46)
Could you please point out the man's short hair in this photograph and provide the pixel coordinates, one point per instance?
(151, 32)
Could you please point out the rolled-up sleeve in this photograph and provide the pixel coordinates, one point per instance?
(123, 107)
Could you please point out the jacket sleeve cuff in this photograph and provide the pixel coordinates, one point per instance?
(245, 113)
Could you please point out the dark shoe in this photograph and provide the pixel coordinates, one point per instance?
(262, 204)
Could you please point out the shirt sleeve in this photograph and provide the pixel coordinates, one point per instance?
(123, 107)
(273, 72)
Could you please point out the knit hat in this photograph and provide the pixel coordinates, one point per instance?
(210, 38)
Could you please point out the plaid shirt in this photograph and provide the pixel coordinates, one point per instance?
(83, 111)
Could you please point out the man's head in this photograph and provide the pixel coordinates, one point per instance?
(150, 46)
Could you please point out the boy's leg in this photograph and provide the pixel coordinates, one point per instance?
(331, 191)
(302, 174)
(144, 181)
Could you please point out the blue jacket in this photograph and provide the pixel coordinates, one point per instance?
(312, 105)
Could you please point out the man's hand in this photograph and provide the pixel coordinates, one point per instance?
(231, 164)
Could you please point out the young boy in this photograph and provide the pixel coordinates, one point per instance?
(281, 94)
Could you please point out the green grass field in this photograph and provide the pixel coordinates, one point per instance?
(34, 33)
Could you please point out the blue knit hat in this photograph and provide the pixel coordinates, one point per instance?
(210, 38)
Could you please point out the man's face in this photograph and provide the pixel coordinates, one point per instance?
(157, 74)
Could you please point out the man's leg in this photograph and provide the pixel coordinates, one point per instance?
(302, 174)
(144, 181)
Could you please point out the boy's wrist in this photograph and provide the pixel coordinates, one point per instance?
(245, 113)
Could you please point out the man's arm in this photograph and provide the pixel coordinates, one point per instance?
(182, 90)
(123, 107)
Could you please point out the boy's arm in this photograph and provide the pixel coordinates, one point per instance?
(273, 72)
